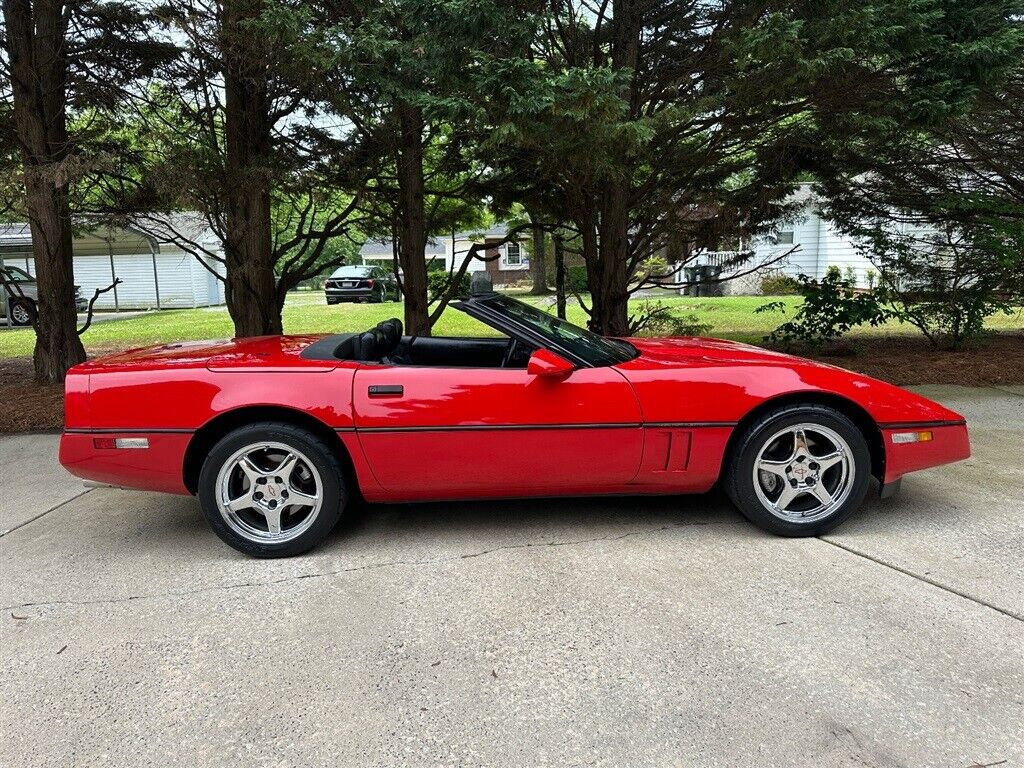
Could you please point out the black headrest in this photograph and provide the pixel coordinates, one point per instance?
(371, 346)
(392, 330)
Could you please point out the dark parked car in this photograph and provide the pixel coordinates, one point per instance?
(360, 283)
(19, 293)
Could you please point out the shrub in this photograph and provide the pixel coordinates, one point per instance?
(945, 284)
(778, 284)
(830, 309)
(576, 279)
(439, 280)
(657, 319)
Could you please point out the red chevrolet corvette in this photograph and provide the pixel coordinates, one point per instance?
(274, 434)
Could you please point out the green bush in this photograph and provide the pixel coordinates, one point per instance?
(576, 279)
(947, 284)
(831, 307)
(778, 284)
(439, 280)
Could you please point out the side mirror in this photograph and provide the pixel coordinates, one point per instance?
(548, 365)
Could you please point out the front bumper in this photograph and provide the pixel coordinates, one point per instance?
(949, 442)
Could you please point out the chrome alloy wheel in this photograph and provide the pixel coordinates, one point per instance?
(269, 492)
(804, 472)
(20, 314)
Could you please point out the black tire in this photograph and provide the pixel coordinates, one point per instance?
(739, 482)
(331, 302)
(333, 493)
(22, 312)
(381, 296)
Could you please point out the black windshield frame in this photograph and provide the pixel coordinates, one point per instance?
(535, 326)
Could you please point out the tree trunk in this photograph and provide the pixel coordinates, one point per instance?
(36, 51)
(609, 276)
(559, 275)
(251, 286)
(538, 267)
(411, 225)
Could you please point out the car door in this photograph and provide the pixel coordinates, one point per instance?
(438, 433)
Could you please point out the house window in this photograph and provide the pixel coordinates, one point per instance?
(785, 237)
(513, 255)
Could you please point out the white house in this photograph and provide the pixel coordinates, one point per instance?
(155, 273)
(819, 245)
(506, 263)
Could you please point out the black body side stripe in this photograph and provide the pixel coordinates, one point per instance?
(471, 427)
(522, 427)
(106, 431)
(923, 424)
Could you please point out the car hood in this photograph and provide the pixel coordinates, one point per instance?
(685, 379)
(691, 350)
(256, 352)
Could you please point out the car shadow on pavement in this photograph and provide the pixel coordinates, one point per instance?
(162, 523)
(482, 517)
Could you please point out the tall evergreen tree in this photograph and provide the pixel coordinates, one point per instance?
(669, 119)
(63, 60)
(236, 131)
(409, 72)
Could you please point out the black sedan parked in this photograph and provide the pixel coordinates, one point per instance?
(360, 283)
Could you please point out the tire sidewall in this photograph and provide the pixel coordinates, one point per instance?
(335, 494)
(740, 485)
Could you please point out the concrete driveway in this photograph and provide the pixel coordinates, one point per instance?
(618, 632)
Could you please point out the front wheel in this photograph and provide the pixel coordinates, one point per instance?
(21, 311)
(799, 470)
(272, 489)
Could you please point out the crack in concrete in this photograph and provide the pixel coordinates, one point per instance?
(924, 579)
(353, 569)
(46, 512)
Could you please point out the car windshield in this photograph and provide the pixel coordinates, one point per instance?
(353, 271)
(594, 349)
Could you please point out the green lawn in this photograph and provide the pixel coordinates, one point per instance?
(730, 317)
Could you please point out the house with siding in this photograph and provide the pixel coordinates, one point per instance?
(505, 262)
(817, 242)
(155, 273)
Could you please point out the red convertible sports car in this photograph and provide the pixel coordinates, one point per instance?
(275, 434)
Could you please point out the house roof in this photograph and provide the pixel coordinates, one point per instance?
(181, 226)
(15, 235)
(189, 226)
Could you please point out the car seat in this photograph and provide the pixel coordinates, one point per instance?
(392, 332)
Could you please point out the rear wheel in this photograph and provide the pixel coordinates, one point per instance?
(272, 489)
(799, 470)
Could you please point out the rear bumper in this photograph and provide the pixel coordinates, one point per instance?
(160, 467)
(949, 443)
(350, 294)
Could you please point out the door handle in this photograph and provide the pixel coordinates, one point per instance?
(385, 390)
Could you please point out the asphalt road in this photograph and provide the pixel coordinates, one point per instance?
(613, 632)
